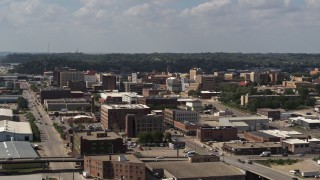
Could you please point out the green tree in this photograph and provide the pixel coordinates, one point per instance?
(157, 136)
(22, 103)
(288, 91)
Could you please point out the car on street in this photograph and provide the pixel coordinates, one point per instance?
(159, 157)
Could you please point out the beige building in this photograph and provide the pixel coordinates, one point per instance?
(136, 124)
(296, 146)
(171, 115)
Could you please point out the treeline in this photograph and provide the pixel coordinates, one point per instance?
(176, 62)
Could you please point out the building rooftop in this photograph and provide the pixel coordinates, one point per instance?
(65, 100)
(184, 169)
(242, 118)
(6, 112)
(296, 141)
(15, 127)
(17, 149)
(125, 106)
(129, 158)
(94, 135)
(282, 134)
(242, 145)
(262, 134)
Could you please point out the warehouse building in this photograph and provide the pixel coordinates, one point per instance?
(6, 114)
(19, 131)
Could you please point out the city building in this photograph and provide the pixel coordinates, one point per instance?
(174, 84)
(19, 150)
(245, 99)
(208, 82)
(6, 114)
(70, 75)
(136, 124)
(158, 103)
(297, 84)
(115, 167)
(221, 134)
(172, 115)
(194, 105)
(54, 93)
(283, 135)
(67, 104)
(304, 122)
(9, 98)
(93, 143)
(196, 168)
(270, 113)
(296, 146)
(251, 148)
(258, 136)
(194, 72)
(18, 131)
(108, 81)
(114, 116)
(254, 122)
(149, 92)
(190, 129)
(136, 87)
(315, 71)
(208, 94)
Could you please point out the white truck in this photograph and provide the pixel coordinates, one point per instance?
(309, 173)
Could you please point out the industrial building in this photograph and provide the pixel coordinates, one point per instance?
(6, 114)
(19, 131)
(254, 122)
(172, 115)
(306, 123)
(67, 104)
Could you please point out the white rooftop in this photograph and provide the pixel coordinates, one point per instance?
(117, 94)
(244, 118)
(125, 106)
(296, 141)
(281, 134)
(15, 127)
(6, 112)
(305, 120)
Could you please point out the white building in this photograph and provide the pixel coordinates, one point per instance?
(129, 97)
(19, 131)
(255, 122)
(194, 105)
(296, 146)
(6, 114)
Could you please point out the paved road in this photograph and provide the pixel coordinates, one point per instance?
(51, 143)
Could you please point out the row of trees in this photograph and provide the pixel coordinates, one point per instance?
(178, 62)
(154, 137)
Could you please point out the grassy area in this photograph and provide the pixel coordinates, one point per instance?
(59, 129)
(280, 162)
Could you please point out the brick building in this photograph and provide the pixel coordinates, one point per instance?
(216, 134)
(257, 136)
(114, 116)
(172, 115)
(108, 82)
(115, 167)
(270, 113)
(136, 124)
(54, 93)
(158, 102)
(91, 143)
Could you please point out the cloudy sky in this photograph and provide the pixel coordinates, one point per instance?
(135, 26)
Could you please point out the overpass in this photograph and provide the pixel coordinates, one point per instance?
(40, 160)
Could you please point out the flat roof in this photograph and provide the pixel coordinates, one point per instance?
(17, 149)
(129, 157)
(282, 134)
(246, 118)
(262, 134)
(125, 106)
(185, 169)
(246, 145)
(296, 141)
(15, 127)
(93, 135)
(6, 112)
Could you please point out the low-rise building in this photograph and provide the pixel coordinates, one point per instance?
(172, 115)
(115, 167)
(255, 122)
(6, 114)
(197, 168)
(67, 104)
(251, 148)
(296, 146)
(306, 123)
(257, 136)
(93, 143)
(216, 133)
(283, 135)
(158, 103)
(136, 124)
(270, 113)
(194, 105)
(19, 131)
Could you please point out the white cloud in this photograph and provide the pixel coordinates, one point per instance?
(207, 8)
(265, 4)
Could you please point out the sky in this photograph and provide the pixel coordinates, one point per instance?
(146, 26)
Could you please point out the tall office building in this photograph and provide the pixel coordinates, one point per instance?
(108, 82)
